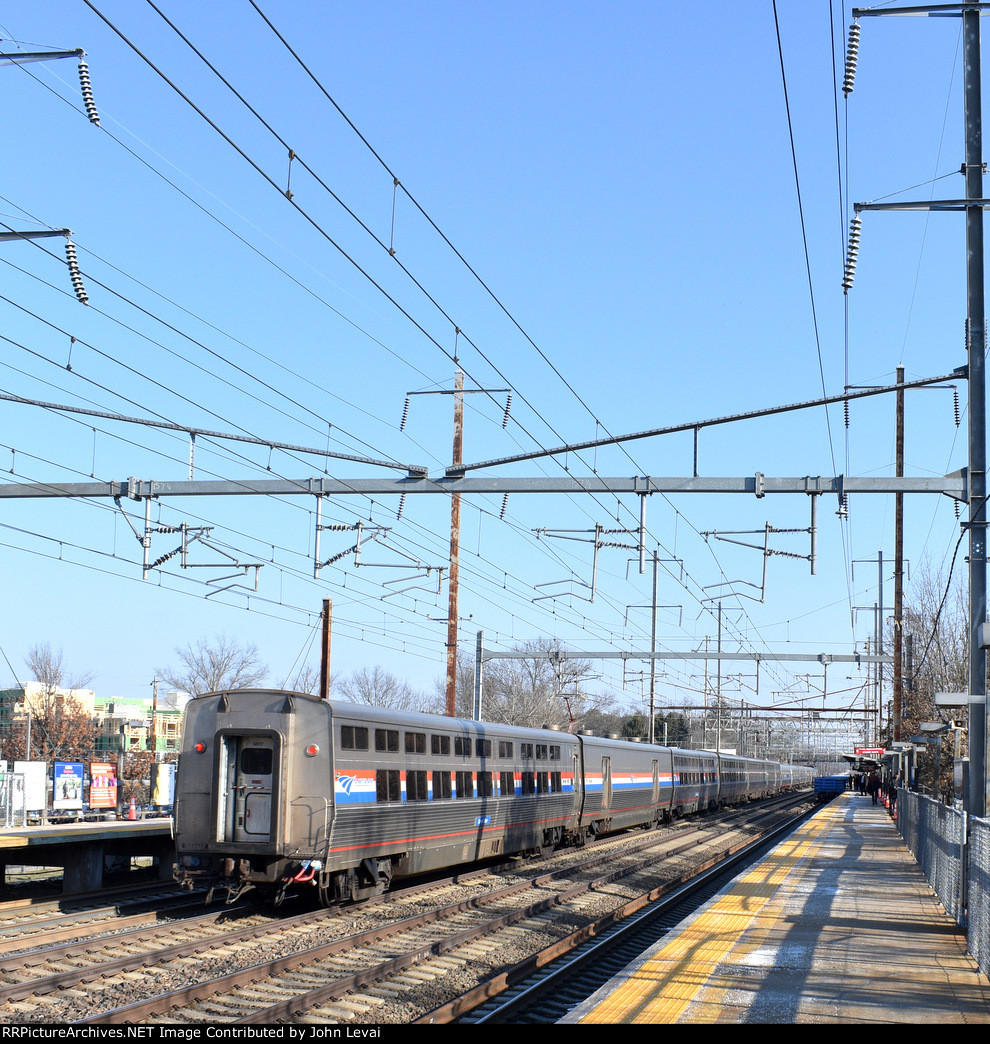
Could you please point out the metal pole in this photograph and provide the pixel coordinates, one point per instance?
(478, 674)
(898, 564)
(653, 659)
(718, 687)
(976, 347)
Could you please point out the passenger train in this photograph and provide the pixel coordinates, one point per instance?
(277, 790)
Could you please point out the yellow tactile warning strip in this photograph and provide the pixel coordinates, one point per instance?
(837, 925)
(661, 988)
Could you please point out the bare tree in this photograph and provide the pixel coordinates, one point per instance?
(61, 726)
(538, 689)
(62, 729)
(137, 768)
(379, 688)
(47, 666)
(936, 616)
(212, 666)
(308, 680)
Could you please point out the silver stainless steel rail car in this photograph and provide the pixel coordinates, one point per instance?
(280, 790)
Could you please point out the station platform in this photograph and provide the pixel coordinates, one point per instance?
(83, 850)
(836, 925)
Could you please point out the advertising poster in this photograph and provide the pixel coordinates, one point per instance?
(68, 786)
(34, 775)
(163, 785)
(102, 785)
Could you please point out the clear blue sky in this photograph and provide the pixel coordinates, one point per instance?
(619, 175)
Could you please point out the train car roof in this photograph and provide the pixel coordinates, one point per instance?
(401, 717)
(439, 721)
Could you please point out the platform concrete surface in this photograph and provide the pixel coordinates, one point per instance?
(837, 925)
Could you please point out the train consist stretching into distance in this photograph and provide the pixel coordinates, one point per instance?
(279, 791)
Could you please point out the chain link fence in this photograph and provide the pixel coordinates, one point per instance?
(978, 912)
(953, 851)
(12, 795)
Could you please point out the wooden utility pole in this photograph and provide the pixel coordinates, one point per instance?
(455, 545)
(325, 650)
(153, 732)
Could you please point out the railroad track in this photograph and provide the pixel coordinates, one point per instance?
(569, 974)
(26, 922)
(395, 960)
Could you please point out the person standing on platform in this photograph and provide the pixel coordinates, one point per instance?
(873, 787)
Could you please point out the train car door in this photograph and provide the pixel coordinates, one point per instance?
(248, 771)
(606, 784)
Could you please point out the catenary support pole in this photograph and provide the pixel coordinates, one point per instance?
(976, 349)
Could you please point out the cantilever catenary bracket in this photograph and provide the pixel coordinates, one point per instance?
(378, 535)
(598, 532)
(767, 550)
(189, 536)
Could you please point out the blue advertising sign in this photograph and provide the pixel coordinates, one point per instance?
(68, 790)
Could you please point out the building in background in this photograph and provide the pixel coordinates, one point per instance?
(34, 696)
(115, 725)
(136, 725)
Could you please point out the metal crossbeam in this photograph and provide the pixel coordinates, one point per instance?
(954, 485)
(695, 654)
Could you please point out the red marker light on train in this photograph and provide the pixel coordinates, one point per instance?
(199, 748)
(312, 750)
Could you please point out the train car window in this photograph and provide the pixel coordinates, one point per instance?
(387, 785)
(462, 746)
(483, 748)
(256, 761)
(504, 748)
(353, 737)
(387, 740)
(465, 785)
(542, 782)
(556, 783)
(485, 785)
(440, 745)
(541, 752)
(416, 786)
(528, 783)
(526, 750)
(506, 784)
(554, 752)
(415, 742)
(441, 786)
